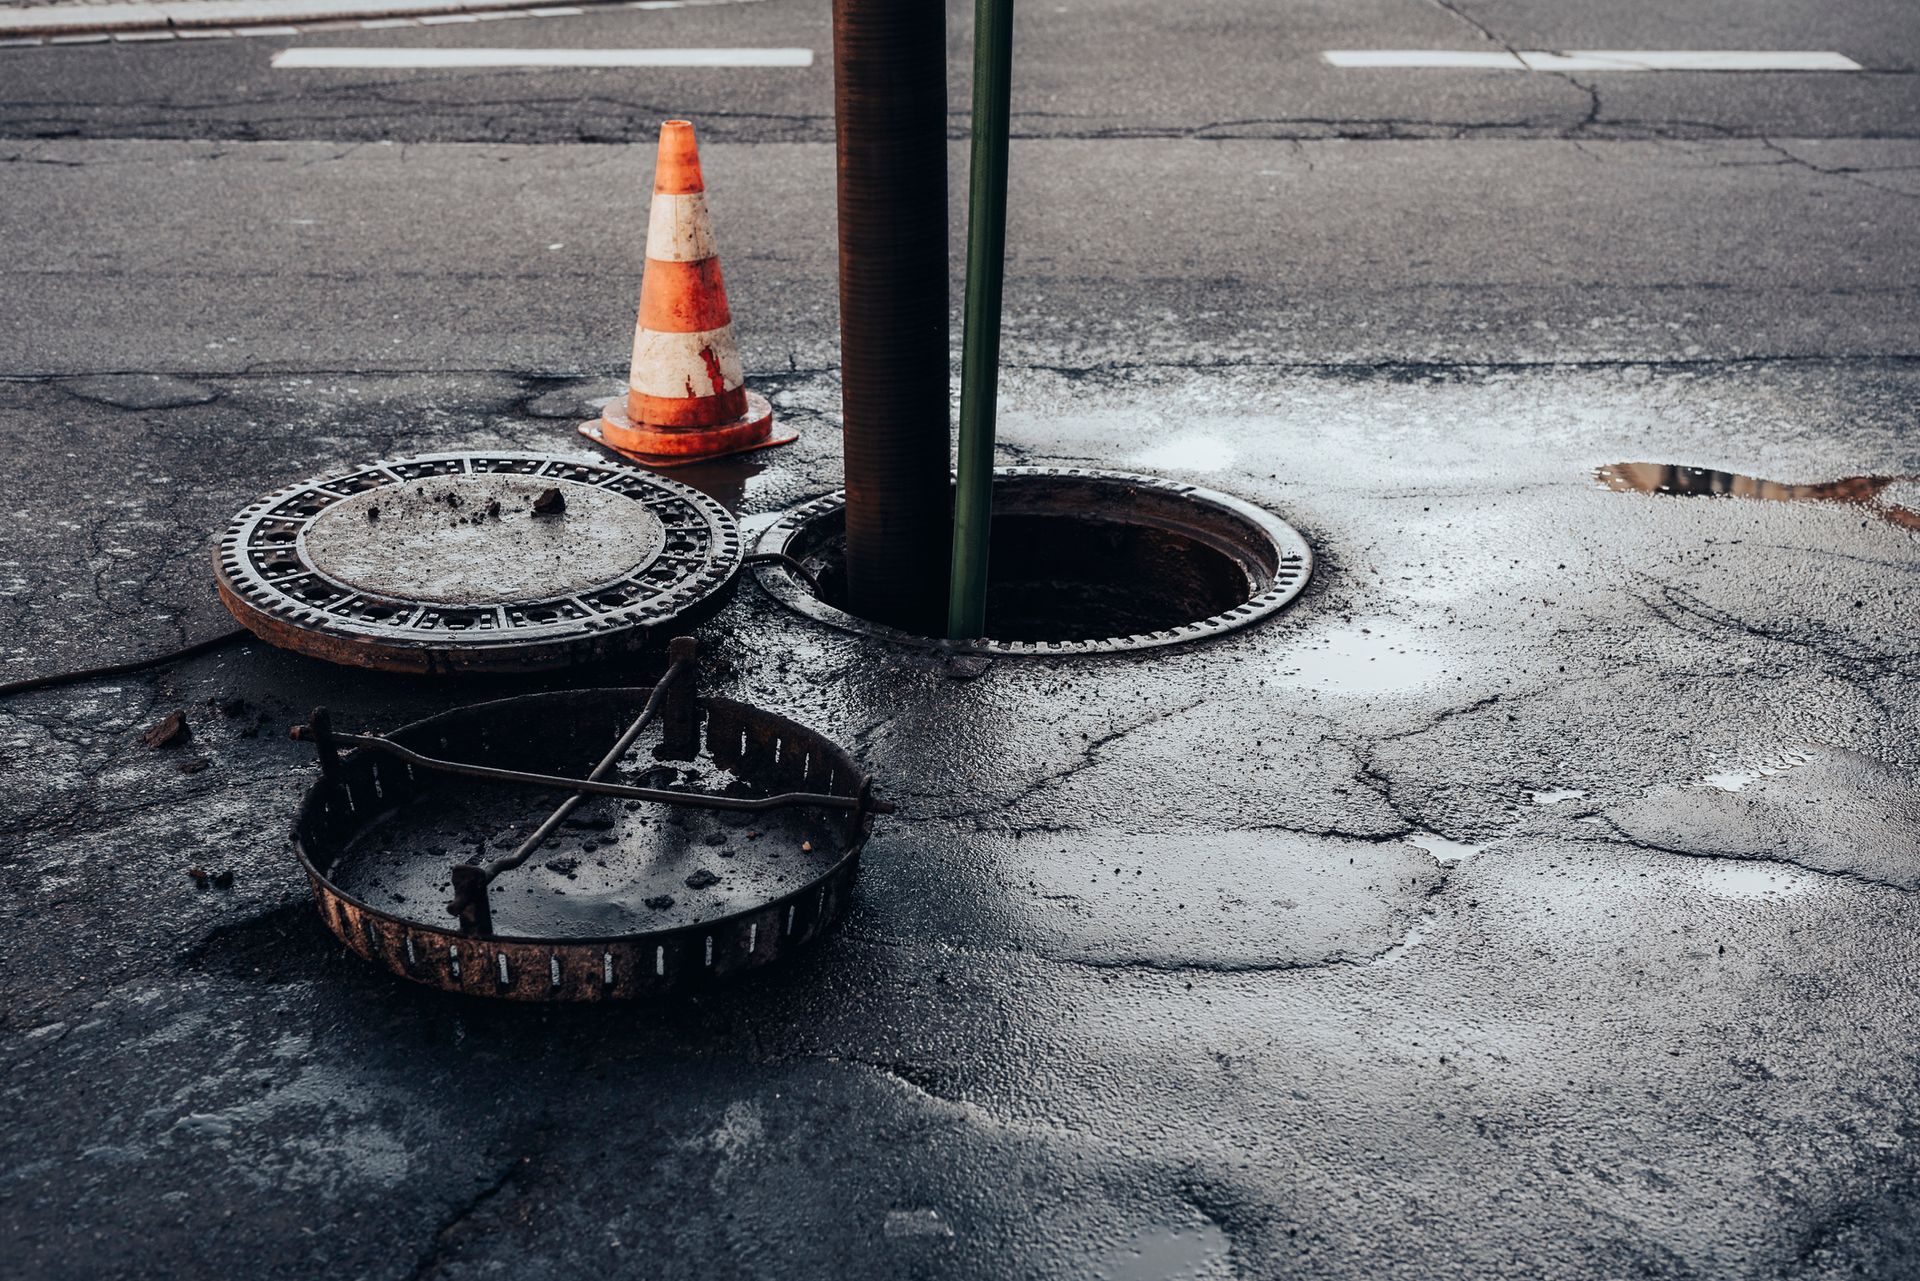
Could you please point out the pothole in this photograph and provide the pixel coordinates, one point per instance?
(1082, 562)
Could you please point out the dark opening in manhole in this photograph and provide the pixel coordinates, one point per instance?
(1082, 562)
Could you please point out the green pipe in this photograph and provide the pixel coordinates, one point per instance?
(980, 344)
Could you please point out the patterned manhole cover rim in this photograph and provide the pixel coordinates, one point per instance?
(272, 585)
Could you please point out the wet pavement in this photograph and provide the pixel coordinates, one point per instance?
(1535, 897)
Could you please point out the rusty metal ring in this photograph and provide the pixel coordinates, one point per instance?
(366, 786)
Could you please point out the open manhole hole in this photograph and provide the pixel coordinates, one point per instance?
(1082, 562)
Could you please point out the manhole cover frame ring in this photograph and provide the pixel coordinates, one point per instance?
(1292, 558)
(641, 963)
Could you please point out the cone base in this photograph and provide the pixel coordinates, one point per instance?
(683, 446)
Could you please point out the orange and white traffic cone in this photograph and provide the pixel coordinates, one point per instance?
(687, 399)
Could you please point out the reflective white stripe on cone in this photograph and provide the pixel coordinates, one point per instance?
(679, 229)
(685, 365)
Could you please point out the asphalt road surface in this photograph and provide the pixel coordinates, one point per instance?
(1537, 897)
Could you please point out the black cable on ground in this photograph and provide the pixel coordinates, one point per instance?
(793, 564)
(194, 650)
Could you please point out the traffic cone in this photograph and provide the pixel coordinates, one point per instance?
(686, 399)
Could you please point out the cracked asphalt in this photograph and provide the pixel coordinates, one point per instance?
(1535, 897)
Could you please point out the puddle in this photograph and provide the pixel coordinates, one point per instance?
(1754, 881)
(1189, 451)
(1168, 1254)
(917, 1223)
(728, 481)
(1666, 478)
(1555, 797)
(1413, 938)
(1445, 852)
(1736, 780)
(1361, 660)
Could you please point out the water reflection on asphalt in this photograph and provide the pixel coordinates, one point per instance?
(1667, 478)
(1362, 659)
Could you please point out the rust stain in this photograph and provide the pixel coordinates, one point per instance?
(713, 369)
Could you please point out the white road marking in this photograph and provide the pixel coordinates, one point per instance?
(425, 59)
(133, 21)
(1599, 59)
(1423, 58)
(1690, 60)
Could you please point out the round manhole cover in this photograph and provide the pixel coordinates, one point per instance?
(473, 562)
